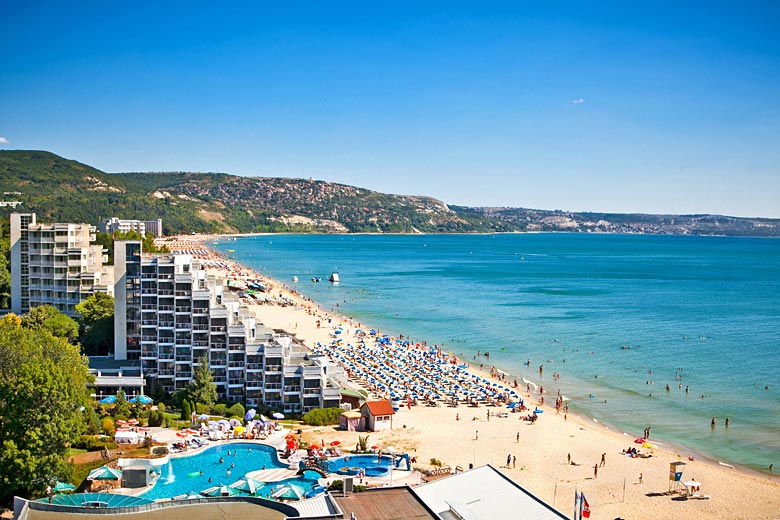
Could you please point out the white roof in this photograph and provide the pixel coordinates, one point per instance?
(315, 507)
(484, 493)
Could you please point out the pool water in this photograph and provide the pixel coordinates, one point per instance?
(182, 475)
(351, 465)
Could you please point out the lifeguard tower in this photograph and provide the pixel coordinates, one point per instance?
(675, 477)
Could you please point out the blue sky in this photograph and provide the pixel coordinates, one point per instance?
(662, 107)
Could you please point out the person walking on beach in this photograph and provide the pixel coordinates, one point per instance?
(568, 458)
(641, 478)
(517, 438)
(595, 471)
(476, 435)
(603, 461)
(514, 462)
(508, 460)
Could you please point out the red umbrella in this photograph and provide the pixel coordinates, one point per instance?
(640, 441)
(335, 443)
(132, 421)
(181, 434)
(121, 422)
(374, 447)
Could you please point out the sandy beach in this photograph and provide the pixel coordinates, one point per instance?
(542, 449)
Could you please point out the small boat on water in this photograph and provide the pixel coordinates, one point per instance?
(334, 277)
(294, 278)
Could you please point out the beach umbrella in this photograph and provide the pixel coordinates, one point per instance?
(250, 414)
(220, 491)
(235, 422)
(639, 441)
(64, 487)
(120, 422)
(104, 473)
(264, 419)
(181, 434)
(132, 422)
(142, 399)
(277, 415)
(109, 399)
(203, 417)
(248, 485)
(288, 491)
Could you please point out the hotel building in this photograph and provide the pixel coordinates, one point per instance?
(114, 224)
(55, 264)
(169, 314)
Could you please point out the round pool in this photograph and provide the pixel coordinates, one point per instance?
(370, 464)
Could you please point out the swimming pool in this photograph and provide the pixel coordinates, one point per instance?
(190, 474)
(352, 464)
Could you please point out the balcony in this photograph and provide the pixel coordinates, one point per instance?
(149, 338)
(235, 382)
(273, 368)
(181, 309)
(204, 344)
(273, 386)
(183, 359)
(254, 366)
(292, 389)
(220, 329)
(200, 327)
(254, 383)
(311, 391)
(200, 311)
(183, 375)
(165, 324)
(184, 326)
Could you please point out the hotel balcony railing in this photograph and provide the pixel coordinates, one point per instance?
(153, 323)
(149, 338)
(200, 327)
(236, 382)
(273, 386)
(236, 364)
(183, 309)
(165, 373)
(200, 311)
(200, 343)
(165, 276)
(165, 324)
(254, 366)
(166, 356)
(185, 326)
(165, 292)
(312, 391)
(182, 293)
(165, 307)
(148, 291)
(295, 389)
(273, 368)
(184, 358)
(219, 329)
(183, 375)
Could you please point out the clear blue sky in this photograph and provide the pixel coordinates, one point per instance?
(610, 106)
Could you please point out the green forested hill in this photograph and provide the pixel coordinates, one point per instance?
(62, 190)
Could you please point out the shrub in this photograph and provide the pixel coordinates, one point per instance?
(338, 485)
(92, 443)
(155, 418)
(202, 408)
(220, 409)
(322, 416)
(435, 462)
(107, 425)
(161, 407)
(186, 411)
(237, 410)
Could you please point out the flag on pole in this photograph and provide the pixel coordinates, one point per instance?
(576, 500)
(584, 507)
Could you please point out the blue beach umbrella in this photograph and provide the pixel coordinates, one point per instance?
(109, 399)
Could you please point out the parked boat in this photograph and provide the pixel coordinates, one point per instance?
(334, 277)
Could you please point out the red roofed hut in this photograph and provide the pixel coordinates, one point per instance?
(378, 415)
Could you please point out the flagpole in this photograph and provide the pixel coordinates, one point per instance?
(582, 497)
(576, 496)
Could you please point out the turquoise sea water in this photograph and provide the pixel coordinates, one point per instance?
(706, 308)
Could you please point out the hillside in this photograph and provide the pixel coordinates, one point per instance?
(59, 189)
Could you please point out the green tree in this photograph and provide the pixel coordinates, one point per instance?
(121, 406)
(43, 390)
(48, 318)
(186, 411)
(97, 324)
(202, 388)
(5, 274)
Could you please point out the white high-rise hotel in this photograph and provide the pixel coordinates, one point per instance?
(55, 264)
(169, 314)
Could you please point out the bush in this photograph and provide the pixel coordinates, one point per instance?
(202, 408)
(161, 407)
(186, 411)
(338, 485)
(220, 409)
(237, 410)
(322, 416)
(92, 443)
(435, 462)
(107, 425)
(155, 418)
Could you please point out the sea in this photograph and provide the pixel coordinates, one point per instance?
(617, 317)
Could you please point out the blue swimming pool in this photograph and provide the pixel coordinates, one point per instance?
(352, 464)
(190, 474)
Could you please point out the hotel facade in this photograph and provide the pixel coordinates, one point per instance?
(55, 264)
(169, 314)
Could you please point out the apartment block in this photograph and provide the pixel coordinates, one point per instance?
(170, 314)
(114, 224)
(55, 264)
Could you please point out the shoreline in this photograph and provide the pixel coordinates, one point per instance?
(603, 433)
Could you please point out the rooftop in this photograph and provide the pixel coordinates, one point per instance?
(384, 504)
(382, 407)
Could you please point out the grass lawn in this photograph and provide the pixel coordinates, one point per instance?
(75, 451)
